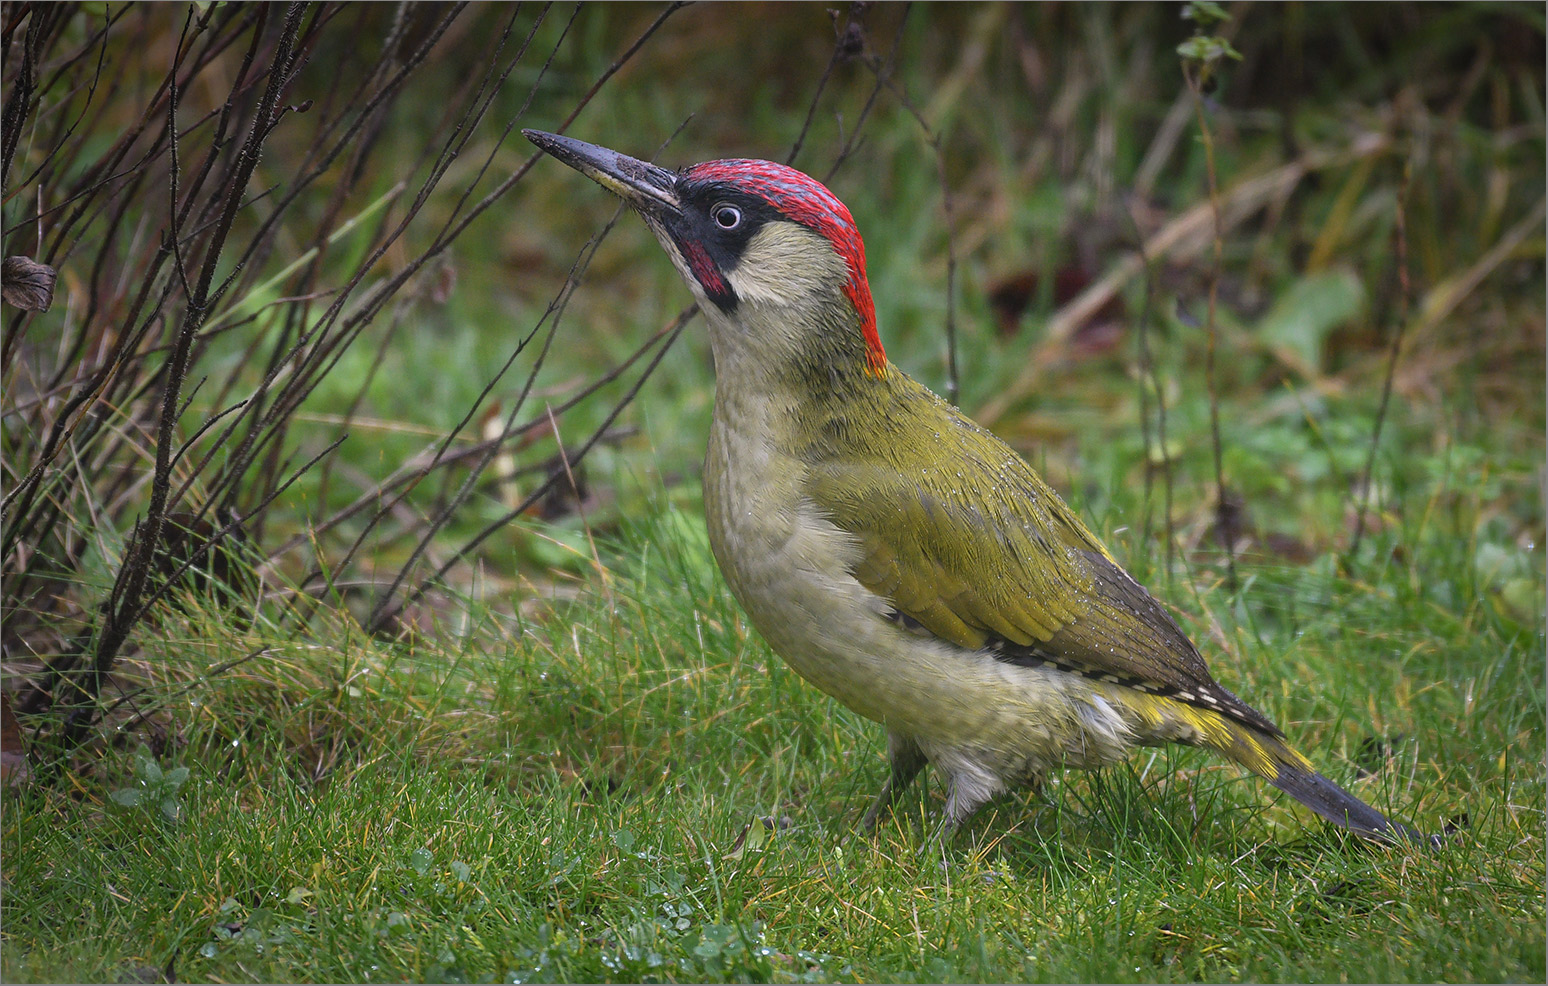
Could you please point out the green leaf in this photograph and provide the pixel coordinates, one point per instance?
(1522, 601)
(1204, 13)
(1158, 455)
(176, 777)
(1207, 49)
(420, 860)
(1297, 327)
(171, 811)
(149, 771)
(753, 835)
(129, 797)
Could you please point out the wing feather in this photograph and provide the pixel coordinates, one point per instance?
(987, 555)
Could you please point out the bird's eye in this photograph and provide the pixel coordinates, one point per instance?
(727, 216)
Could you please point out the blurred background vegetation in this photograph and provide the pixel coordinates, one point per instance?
(1066, 140)
(333, 361)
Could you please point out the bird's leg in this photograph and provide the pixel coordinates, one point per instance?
(907, 761)
(968, 793)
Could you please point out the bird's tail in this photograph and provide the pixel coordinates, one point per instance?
(1271, 758)
(1340, 807)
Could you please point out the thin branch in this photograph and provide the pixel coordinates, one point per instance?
(1394, 348)
(125, 599)
(1150, 377)
(1196, 85)
(676, 329)
(933, 138)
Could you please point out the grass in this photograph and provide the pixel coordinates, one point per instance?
(582, 765)
(629, 786)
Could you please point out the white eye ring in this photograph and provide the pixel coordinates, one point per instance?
(726, 216)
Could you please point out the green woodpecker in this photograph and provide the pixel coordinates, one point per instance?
(896, 555)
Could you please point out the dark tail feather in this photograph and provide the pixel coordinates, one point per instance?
(1342, 808)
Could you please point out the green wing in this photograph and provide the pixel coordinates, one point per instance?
(986, 554)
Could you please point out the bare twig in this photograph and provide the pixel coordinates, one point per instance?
(124, 605)
(1150, 376)
(676, 328)
(580, 507)
(1195, 85)
(1395, 346)
(107, 405)
(933, 138)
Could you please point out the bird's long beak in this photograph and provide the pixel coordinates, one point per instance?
(644, 186)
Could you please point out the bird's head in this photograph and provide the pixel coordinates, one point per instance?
(773, 257)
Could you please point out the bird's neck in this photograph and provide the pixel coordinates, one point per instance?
(813, 354)
(803, 389)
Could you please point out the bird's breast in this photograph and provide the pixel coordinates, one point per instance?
(792, 570)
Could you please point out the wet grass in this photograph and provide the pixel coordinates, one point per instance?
(630, 786)
(580, 764)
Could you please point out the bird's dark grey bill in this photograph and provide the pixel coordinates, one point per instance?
(641, 184)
